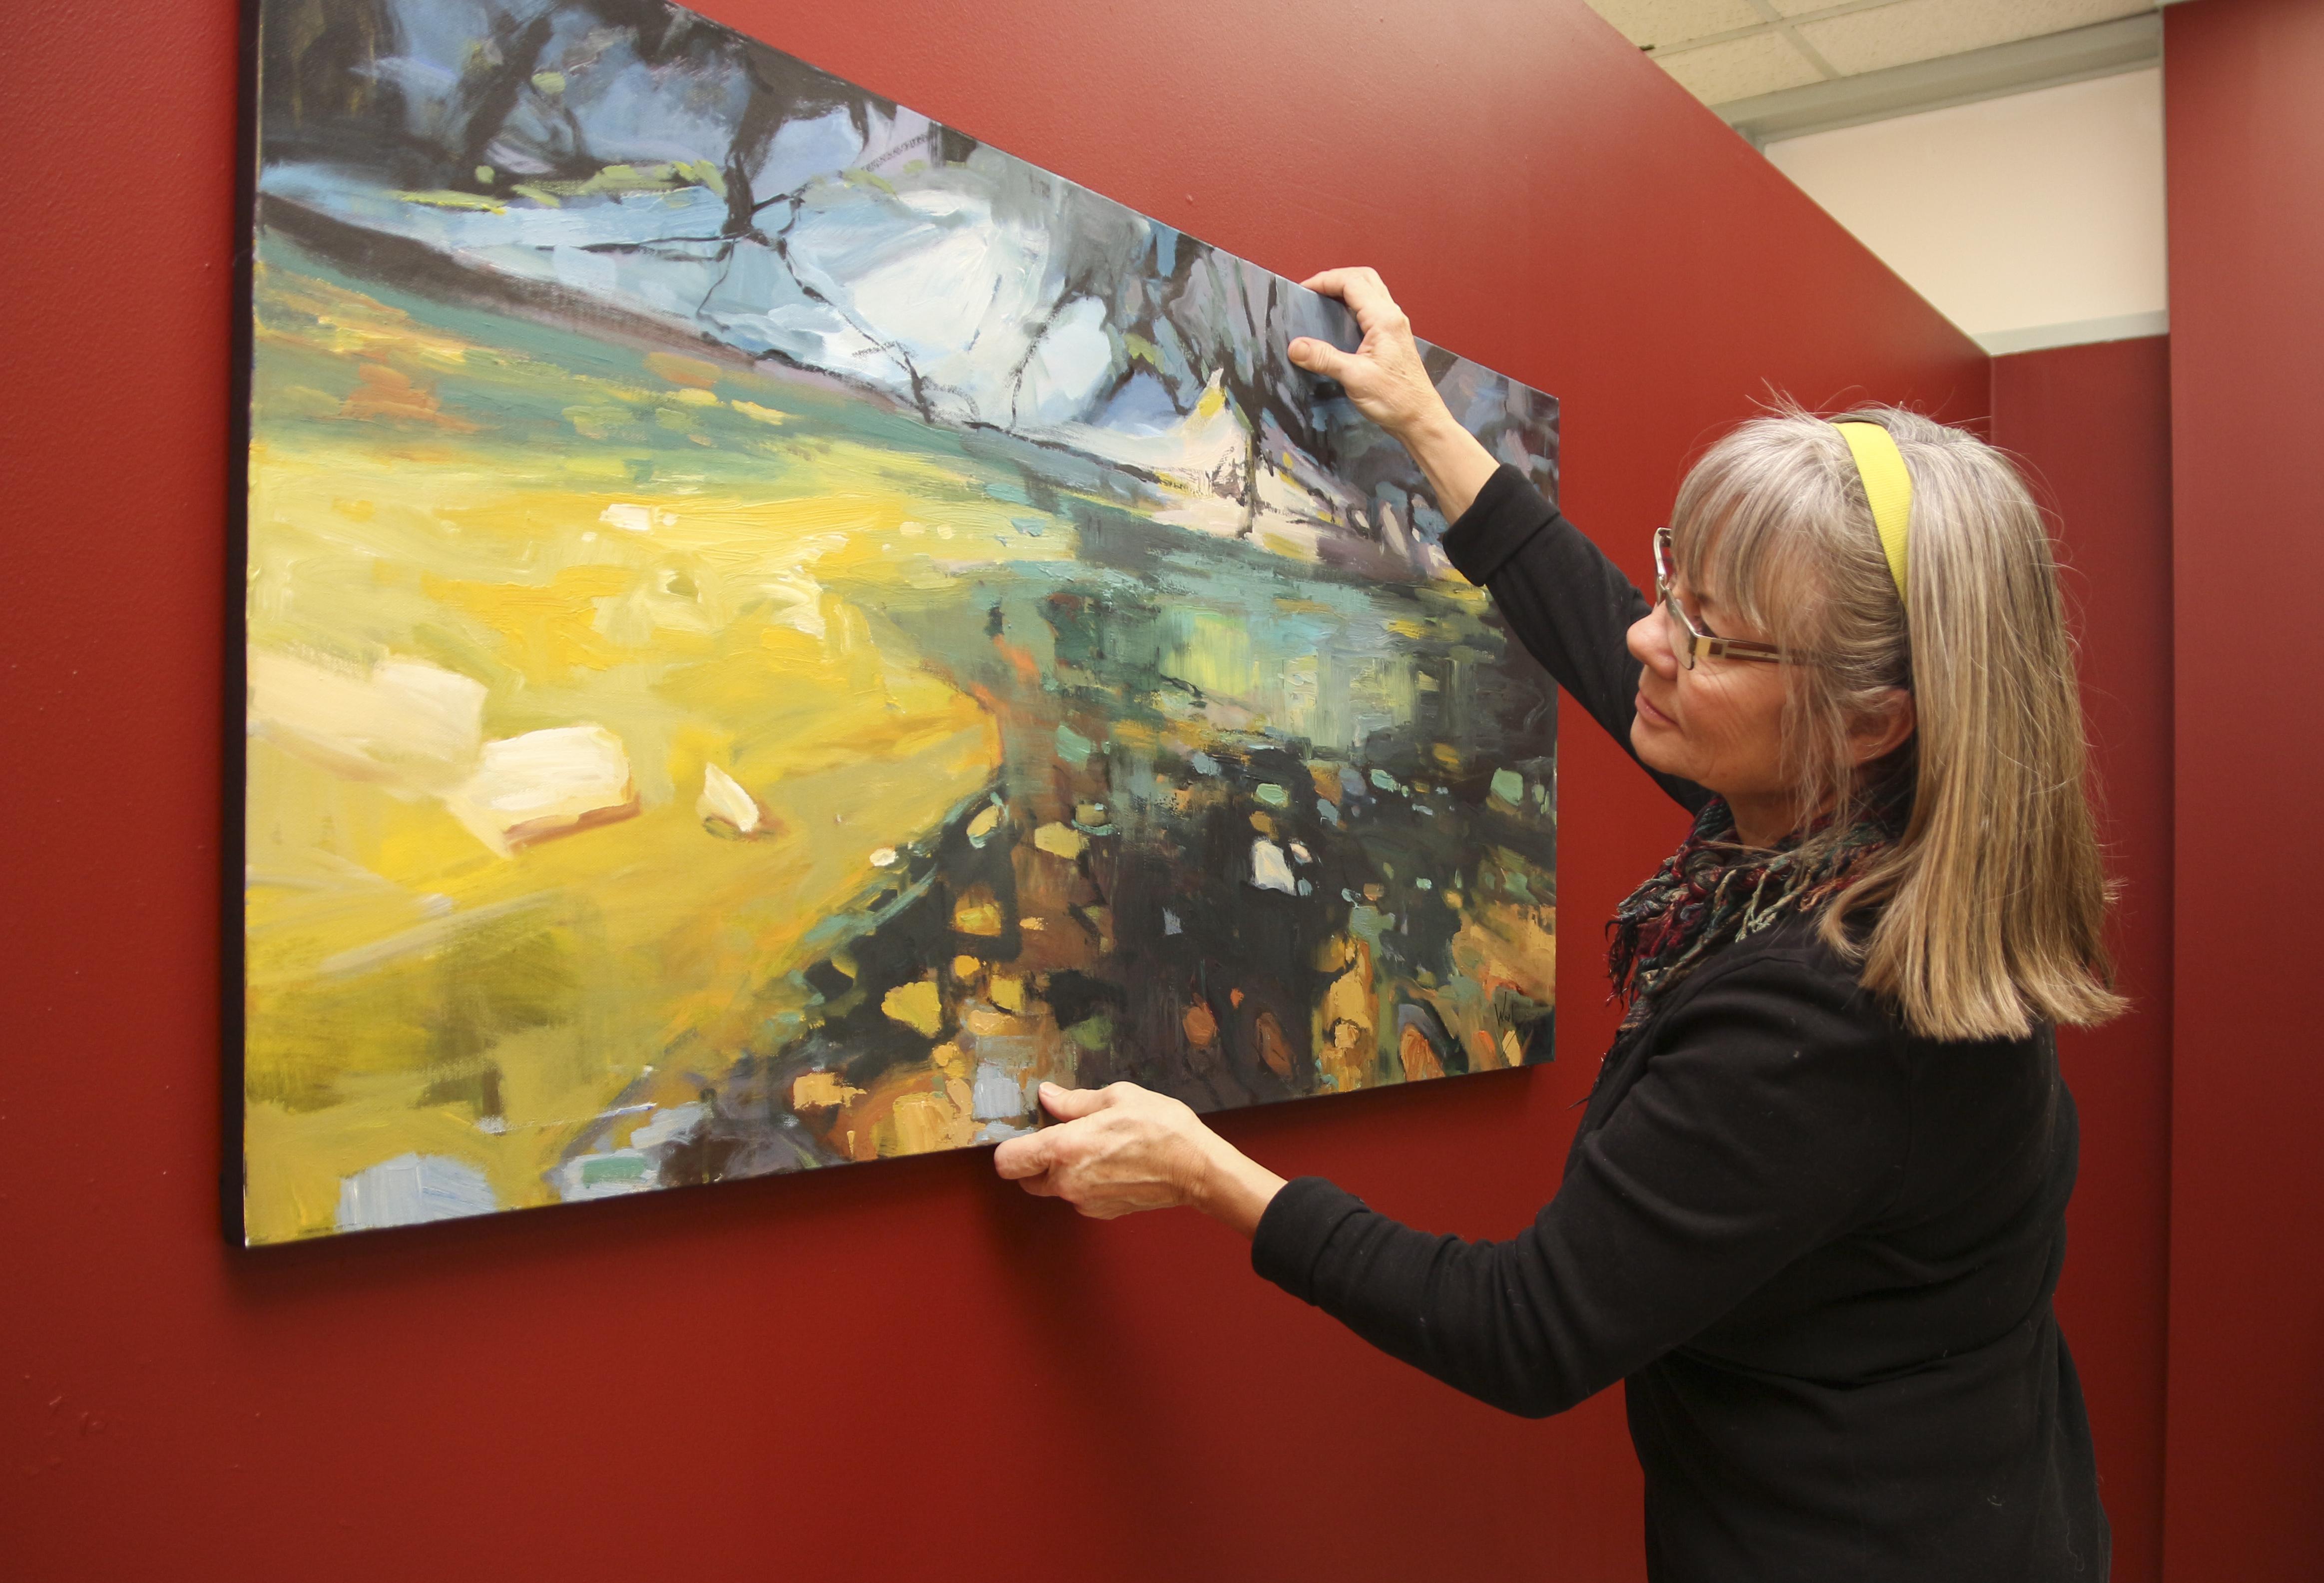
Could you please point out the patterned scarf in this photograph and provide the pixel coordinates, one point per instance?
(1711, 891)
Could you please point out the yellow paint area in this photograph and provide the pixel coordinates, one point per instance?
(918, 1005)
(410, 990)
(1060, 841)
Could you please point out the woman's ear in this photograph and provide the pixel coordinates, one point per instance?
(1883, 728)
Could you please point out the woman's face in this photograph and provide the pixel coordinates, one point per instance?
(1719, 725)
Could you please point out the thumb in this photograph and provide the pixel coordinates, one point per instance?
(1021, 1156)
(1067, 1104)
(1322, 357)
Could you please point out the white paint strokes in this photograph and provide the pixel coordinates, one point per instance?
(925, 286)
(675, 1125)
(1072, 359)
(410, 1190)
(402, 720)
(545, 783)
(636, 519)
(997, 1094)
(723, 798)
(1268, 871)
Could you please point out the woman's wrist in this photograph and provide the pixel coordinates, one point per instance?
(1456, 464)
(1233, 1188)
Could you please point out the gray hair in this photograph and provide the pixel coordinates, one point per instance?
(1991, 906)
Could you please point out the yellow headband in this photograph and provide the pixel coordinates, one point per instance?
(1886, 485)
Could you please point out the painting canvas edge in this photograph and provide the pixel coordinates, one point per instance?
(234, 660)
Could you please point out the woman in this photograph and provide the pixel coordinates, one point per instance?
(1814, 1211)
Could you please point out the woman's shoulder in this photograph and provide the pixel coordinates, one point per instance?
(1788, 958)
(1792, 967)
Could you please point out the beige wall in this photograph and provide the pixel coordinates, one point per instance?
(2033, 220)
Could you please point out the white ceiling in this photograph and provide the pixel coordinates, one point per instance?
(1724, 51)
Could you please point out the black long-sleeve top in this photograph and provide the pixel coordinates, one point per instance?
(1817, 1249)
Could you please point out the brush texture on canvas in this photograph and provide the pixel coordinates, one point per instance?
(774, 628)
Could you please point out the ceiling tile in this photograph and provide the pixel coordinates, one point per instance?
(2053, 15)
(1657, 24)
(1741, 68)
(1922, 30)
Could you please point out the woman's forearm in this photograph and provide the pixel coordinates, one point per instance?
(1455, 464)
(1233, 1188)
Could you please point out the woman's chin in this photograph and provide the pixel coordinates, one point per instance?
(1653, 746)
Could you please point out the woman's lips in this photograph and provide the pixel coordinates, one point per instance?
(1654, 716)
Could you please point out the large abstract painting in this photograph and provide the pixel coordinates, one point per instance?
(773, 628)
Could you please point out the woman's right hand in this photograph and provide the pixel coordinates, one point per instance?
(1389, 384)
(1121, 1148)
(1384, 376)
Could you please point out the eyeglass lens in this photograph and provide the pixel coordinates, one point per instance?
(1681, 631)
(1682, 637)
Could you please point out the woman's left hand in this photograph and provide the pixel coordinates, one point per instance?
(1116, 1150)
(1388, 380)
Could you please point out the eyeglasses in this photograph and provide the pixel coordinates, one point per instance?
(1691, 642)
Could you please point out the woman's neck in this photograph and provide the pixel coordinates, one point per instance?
(1764, 821)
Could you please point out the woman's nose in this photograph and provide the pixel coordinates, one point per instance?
(1649, 643)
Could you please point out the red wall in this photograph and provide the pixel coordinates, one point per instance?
(906, 1370)
(2246, 146)
(2092, 426)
